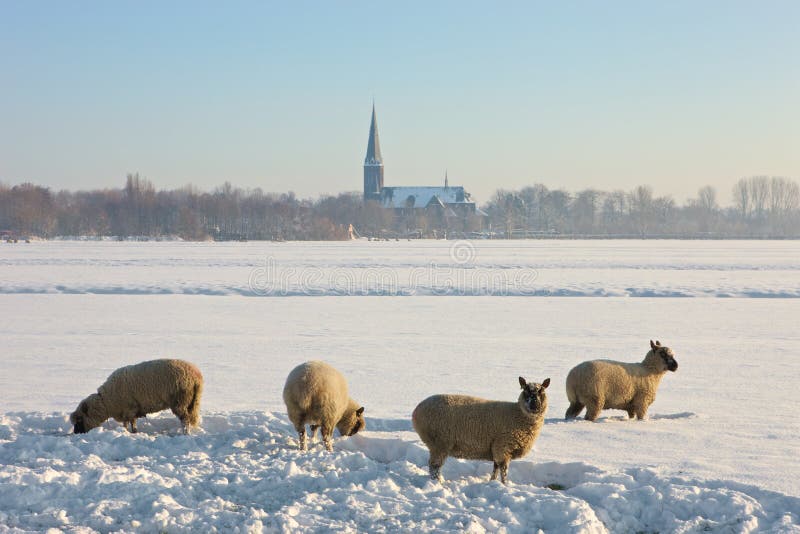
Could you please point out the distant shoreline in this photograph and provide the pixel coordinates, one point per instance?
(564, 237)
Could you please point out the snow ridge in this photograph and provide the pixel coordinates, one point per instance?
(224, 290)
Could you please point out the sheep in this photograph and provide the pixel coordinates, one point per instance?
(477, 429)
(606, 384)
(316, 393)
(137, 390)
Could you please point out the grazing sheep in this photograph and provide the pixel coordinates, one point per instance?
(605, 384)
(316, 393)
(478, 429)
(137, 390)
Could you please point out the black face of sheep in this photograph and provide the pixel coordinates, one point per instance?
(77, 419)
(666, 354)
(359, 422)
(533, 394)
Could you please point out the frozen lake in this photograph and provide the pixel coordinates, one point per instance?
(402, 320)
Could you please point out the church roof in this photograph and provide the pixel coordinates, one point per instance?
(374, 145)
(399, 197)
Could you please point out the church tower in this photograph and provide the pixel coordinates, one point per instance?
(373, 163)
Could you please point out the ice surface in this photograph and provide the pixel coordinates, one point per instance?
(719, 452)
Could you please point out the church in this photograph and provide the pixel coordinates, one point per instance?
(446, 207)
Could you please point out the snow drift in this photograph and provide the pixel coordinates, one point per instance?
(243, 470)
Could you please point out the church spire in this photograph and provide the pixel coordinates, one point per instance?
(373, 163)
(374, 145)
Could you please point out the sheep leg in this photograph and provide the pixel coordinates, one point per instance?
(314, 432)
(574, 409)
(298, 419)
(504, 471)
(133, 426)
(501, 460)
(435, 463)
(639, 406)
(593, 408)
(300, 426)
(182, 414)
(327, 436)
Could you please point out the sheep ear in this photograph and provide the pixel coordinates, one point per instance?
(658, 343)
(522, 383)
(360, 411)
(652, 345)
(546, 383)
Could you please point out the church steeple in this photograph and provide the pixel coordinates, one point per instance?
(373, 163)
(374, 143)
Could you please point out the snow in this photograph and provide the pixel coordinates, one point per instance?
(241, 471)
(408, 268)
(719, 452)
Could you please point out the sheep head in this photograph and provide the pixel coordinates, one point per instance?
(661, 358)
(533, 399)
(352, 421)
(91, 413)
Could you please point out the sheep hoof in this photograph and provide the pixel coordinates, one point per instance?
(435, 474)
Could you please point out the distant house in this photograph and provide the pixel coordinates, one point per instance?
(449, 207)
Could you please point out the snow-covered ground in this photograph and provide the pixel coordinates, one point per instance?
(719, 453)
(500, 268)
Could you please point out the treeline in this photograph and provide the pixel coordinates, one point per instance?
(139, 209)
(763, 207)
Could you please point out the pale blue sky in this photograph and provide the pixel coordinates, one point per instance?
(609, 95)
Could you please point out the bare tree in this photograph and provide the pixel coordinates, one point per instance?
(615, 209)
(507, 209)
(707, 199)
(759, 193)
(741, 197)
(708, 209)
(640, 203)
(584, 211)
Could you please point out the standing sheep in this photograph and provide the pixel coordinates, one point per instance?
(478, 429)
(315, 393)
(606, 384)
(137, 390)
